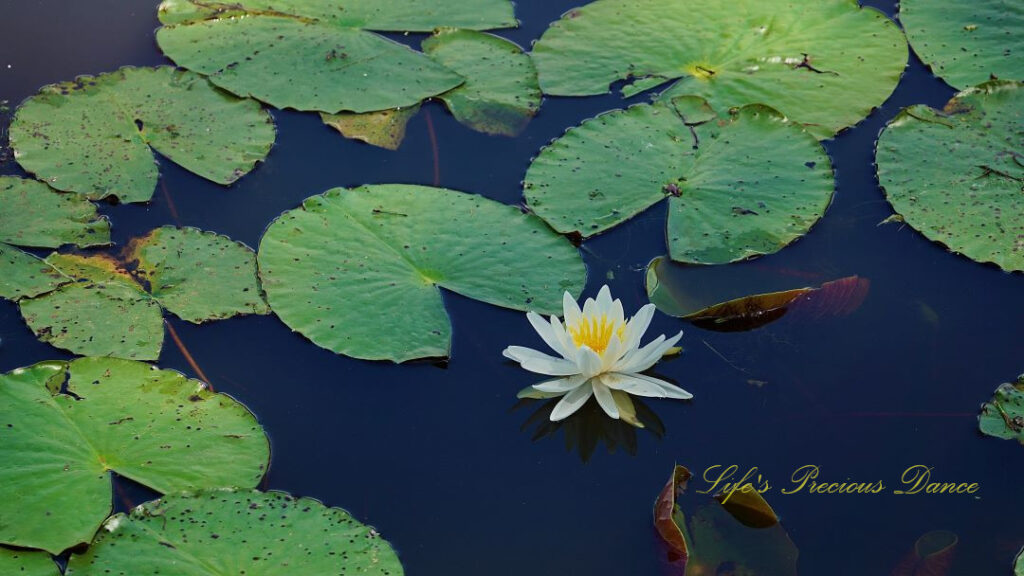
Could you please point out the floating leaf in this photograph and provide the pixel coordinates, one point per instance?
(384, 128)
(500, 94)
(109, 311)
(932, 555)
(719, 542)
(1018, 564)
(60, 440)
(668, 520)
(23, 275)
(27, 563)
(737, 187)
(198, 275)
(720, 537)
(359, 271)
(320, 56)
(1003, 416)
(32, 214)
(826, 65)
(836, 298)
(102, 313)
(966, 43)
(749, 507)
(956, 174)
(220, 532)
(93, 135)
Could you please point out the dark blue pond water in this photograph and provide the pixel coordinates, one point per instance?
(435, 457)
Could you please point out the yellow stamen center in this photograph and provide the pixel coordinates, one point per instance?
(595, 332)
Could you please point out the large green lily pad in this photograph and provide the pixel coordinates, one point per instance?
(967, 43)
(359, 271)
(231, 532)
(826, 65)
(500, 94)
(737, 187)
(320, 56)
(23, 275)
(33, 214)
(1003, 416)
(65, 426)
(109, 311)
(956, 174)
(93, 135)
(27, 563)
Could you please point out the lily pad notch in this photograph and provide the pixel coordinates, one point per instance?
(360, 271)
(102, 305)
(825, 66)
(96, 135)
(66, 426)
(738, 185)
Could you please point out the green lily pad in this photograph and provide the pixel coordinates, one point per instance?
(500, 94)
(197, 275)
(737, 187)
(65, 426)
(955, 174)
(826, 65)
(359, 271)
(1003, 416)
(108, 311)
(966, 43)
(1018, 564)
(317, 56)
(22, 275)
(383, 128)
(27, 563)
(32, 214)
(222, 532)
(93, 135)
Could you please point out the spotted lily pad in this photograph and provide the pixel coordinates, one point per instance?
(1003, 416)
(967, 43)
(500, 94)
(740, 186)
(33, 214)
(94, 135)
(320, 56)
(111, 311)
(956, 174)
(222, 532)
(65, 426)
(826, 65)
(383, 128)
(27, 563)
(23, 275)
(359, 271)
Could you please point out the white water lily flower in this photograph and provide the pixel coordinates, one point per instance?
(601, 356)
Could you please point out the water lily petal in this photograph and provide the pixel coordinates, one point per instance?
(612, 353)
(637, 325)
(604, 300)
(588, 361)
(605, 399)
(646, 357)
(633, 385)
(570, 310)
(634, 353)
(540, 362)
(561, 385)
(616, 315)
(671, 390)
(547, 334)
(563, 336)
(571, 402)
